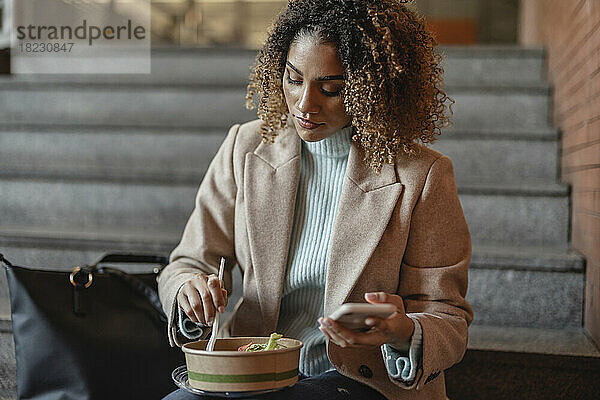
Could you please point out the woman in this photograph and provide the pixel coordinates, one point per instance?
(328, 199)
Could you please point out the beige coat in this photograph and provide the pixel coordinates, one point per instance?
(402, 231)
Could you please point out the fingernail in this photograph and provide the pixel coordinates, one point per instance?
(371, 296)
(327, 322)
(221, 309)
(370, 321)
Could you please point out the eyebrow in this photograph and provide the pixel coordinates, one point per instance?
(323, 78)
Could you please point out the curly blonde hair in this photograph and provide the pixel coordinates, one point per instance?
(393, 74)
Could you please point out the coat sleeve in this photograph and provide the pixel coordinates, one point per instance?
(208, 234)
(434, 272)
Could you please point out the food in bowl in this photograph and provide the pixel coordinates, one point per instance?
(228, 370)
(270, 345)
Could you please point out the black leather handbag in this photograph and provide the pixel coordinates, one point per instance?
(95, 332)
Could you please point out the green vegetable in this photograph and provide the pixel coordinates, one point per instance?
(270, 345)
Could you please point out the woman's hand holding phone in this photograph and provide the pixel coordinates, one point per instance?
(201, 296)
(395, 330)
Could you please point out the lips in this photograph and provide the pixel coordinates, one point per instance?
(307, 124)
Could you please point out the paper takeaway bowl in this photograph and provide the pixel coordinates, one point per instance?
(227, 370)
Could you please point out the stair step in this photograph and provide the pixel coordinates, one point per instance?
(168, 154)
(523, 189)
(462, 65)
(535, 215)
(126, 153)
(526, 107)
(501, 161)
(530, 219)
(175, 66)
(122, 104)
(514, 215)
(87, 239)
(89, 205)
(508, 107)
(526, 258)
(540, 287)
(493, 64)
(470, 133)
(566, 342)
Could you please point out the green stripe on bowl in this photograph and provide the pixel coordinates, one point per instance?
(271, 376)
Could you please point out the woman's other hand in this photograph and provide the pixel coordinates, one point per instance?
(201, 296)
(395, 330)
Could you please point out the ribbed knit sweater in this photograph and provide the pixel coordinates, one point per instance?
(322, 169)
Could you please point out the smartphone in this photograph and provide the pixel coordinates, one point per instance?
(353, 315)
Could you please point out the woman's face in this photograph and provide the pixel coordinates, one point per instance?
(312, 84)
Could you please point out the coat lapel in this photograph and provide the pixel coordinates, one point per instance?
(271, 181)
(365, 207)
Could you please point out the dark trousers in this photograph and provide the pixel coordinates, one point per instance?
(329, 385)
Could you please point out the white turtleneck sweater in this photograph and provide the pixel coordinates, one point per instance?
(322, 169)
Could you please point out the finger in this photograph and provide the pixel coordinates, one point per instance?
(328, 336)
(214, 286)
(376, 323)
(357, 339)
(225, 296)
(340, 341)
(324, 330)
(385, 298)
(339, 329)
(379, 298)
(207, 302)
(185, 306)
(325, 333)
(347, 335)
(195, 301)
(372, 337)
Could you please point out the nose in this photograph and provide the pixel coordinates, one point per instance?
(307, 104)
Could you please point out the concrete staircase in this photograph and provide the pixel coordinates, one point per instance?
(91, 164)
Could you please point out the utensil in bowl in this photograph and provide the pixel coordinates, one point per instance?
(215, 326)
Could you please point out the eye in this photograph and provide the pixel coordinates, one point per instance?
(290, 80)
(331, 94)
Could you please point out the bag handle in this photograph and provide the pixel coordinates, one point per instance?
(135, 284)
(5, 261)
(139, 287)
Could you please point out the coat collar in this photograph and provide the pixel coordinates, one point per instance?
(365, 207)
(287, 147)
